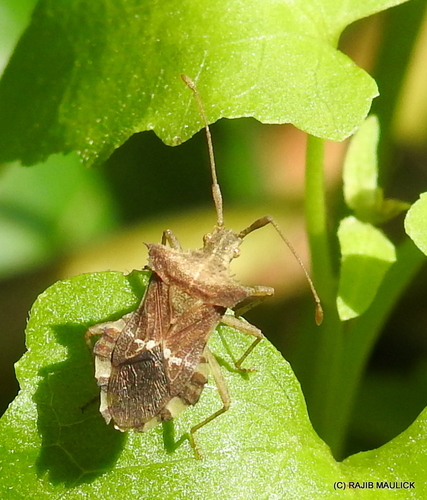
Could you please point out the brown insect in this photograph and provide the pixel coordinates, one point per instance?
(154, 362)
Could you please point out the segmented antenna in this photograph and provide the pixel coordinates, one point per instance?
(216, 191)
(263, 221)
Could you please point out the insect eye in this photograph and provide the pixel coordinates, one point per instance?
(236, 252)
(207, 237)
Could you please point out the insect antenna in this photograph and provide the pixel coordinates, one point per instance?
(216, 191)
(263, 221)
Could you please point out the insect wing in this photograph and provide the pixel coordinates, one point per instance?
(147, 325)
(158, 357)
(138, 387)
(186, 340)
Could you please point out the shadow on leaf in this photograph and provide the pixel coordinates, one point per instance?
(170, 443)
(77, 445)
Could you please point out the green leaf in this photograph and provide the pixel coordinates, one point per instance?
(415, 223)
(407, 453)
(49, 445)
(366, 256)
(55, 444)
(360, 176)
(86, 76)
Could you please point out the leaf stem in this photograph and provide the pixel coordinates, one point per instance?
(322, 393)
(316, 217)
(362, 333)
(342, 349)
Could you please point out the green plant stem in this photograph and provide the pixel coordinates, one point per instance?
(316, 217)
(323, 392)
(343, 348)
(361, 334)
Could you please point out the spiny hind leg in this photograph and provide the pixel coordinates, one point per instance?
(221, 385)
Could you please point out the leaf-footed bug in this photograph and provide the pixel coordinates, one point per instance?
(154, 362)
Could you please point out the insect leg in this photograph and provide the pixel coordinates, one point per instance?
(258, 295)
(223, 392)
(170, 238)
(247, 328)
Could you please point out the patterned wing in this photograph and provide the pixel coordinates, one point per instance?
(192, 322)
(147, 325)
(148, 371)
(138, 387)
